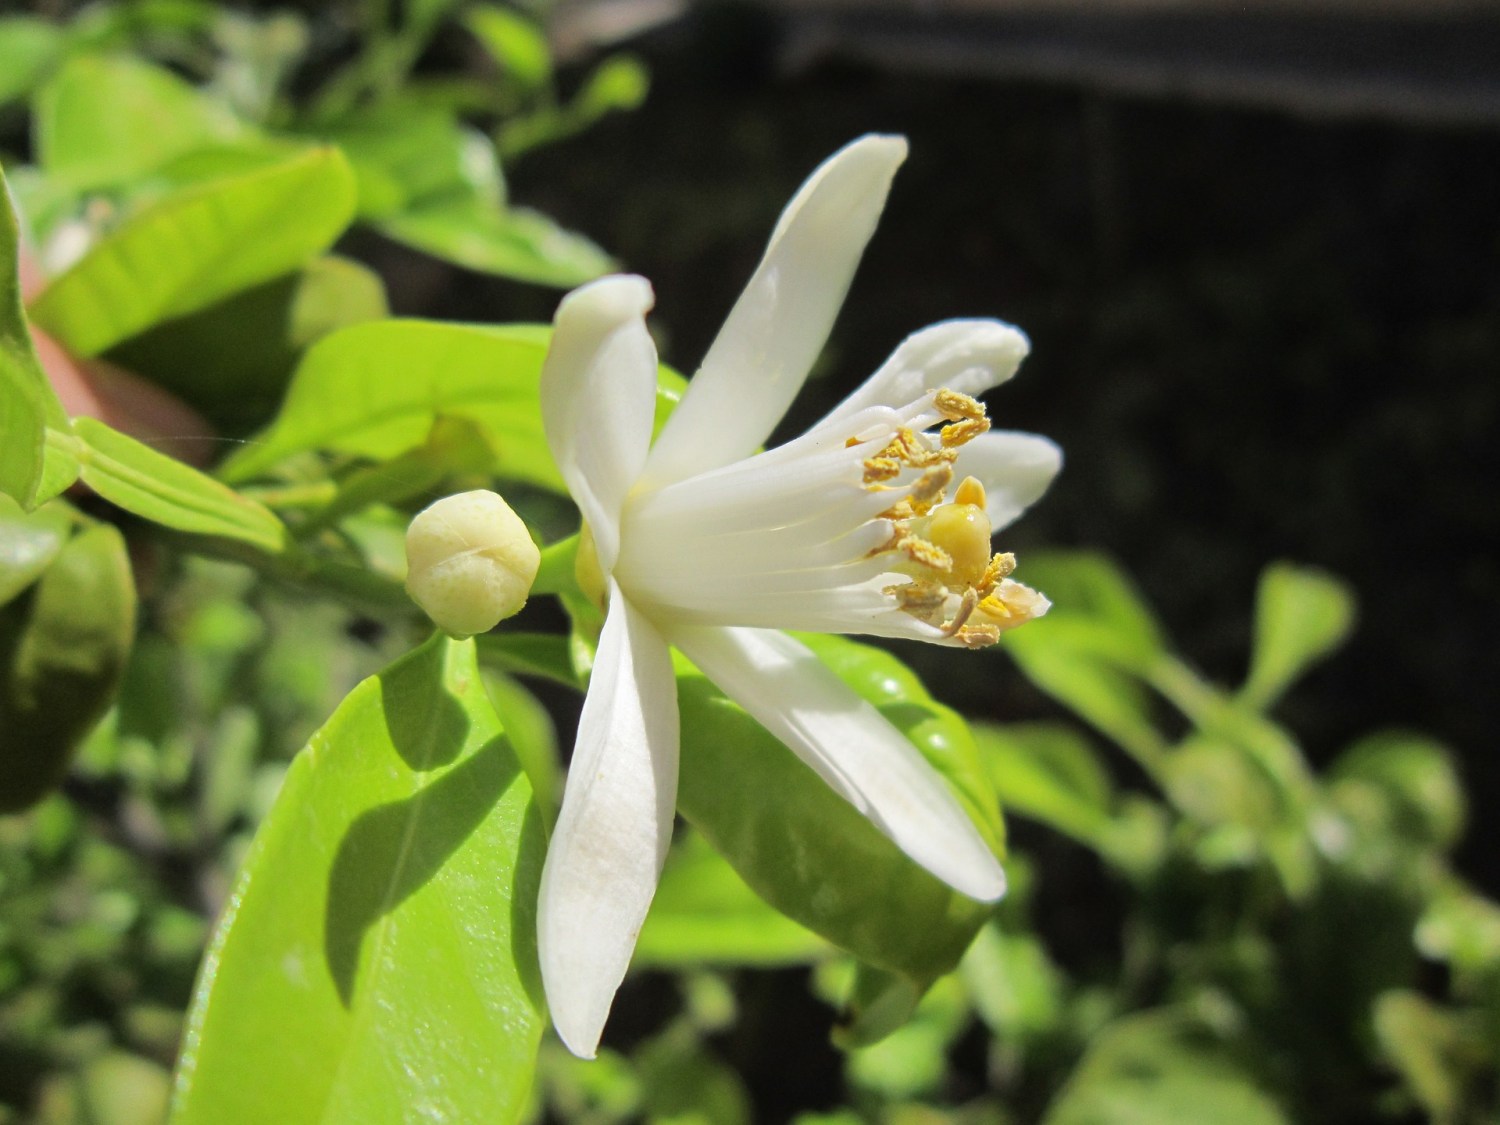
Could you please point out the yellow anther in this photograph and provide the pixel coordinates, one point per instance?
(978, 636)
(928, 489)
(881, 468)
(953, 405)
(930, 555)
(1000, 566)
(961, 433)
(970, 491)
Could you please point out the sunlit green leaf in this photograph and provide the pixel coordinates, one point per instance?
(508, 241)
(704, 914)
(196, 247)
(810, 853)
(514, 42)
(166, 491)
(620, 82)
(375, 390)
(1049, 772)
(62, 651)
(1112, 702)
(1156, 1067)
(1301, 615)
(104, 120)
(28, 49)
(405, 154)
(32, 469)
(378, 962)
(1092, 588)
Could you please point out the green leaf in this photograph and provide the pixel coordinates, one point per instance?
(913, 1060)
(703, 913)
(32, 469)
(1156, 1066)
(1109, 700)
(28, 544)
(1091, 588)
(1460, 927)
(232, 361)
(405, 154)
(1422, 1042)
(28, 49)
(107, 120)
(810, 853)
(378, 962)
(197, 247)
(1017, 989)
(514, 42)
(620, 82)
(1301, 615)
(683, 1083)
(1417, 778)
(166, 491)
(62, 651)
(533, 737)
(545, 655)
(506, 241)
(1048, 772)
(375, 391)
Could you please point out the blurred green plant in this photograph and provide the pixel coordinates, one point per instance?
(1279, 943)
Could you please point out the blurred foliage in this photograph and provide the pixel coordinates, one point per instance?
(1271, 942)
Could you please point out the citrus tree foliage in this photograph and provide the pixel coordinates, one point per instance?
(270, 849)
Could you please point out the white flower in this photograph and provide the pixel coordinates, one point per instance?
(704, 543)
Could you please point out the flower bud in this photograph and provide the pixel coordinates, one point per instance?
(470, 562)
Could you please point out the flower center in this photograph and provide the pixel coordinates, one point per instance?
(954, 581)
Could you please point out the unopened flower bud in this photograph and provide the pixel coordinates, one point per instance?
(470, 562)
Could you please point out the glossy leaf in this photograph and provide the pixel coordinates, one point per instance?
(28, 407)
(1050, 773)
(197, 247)
(378, 961)
(1157, 1066)
(533, 737)
(62, 651)
(166, 491)
(704, 914)
(507, 241)
(807, 851)
(105, 120)
(232, 361)
(375, 390)
(1301, 615)
(28, 544)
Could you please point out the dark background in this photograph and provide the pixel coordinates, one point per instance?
(1260, 331)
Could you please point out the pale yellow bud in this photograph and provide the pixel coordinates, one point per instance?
(470, 562)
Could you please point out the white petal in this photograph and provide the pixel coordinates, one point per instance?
(598, 395)
(779, 325)
(851, 746)
(612, 834)
(1014, 468)
(968, 356)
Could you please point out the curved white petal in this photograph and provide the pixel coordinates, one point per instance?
(968, 356)
(598, 396)
(1015, 469)
(616, 822)
(779, 325)
(850, 745)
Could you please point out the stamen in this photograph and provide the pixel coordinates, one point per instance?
(919, 550)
